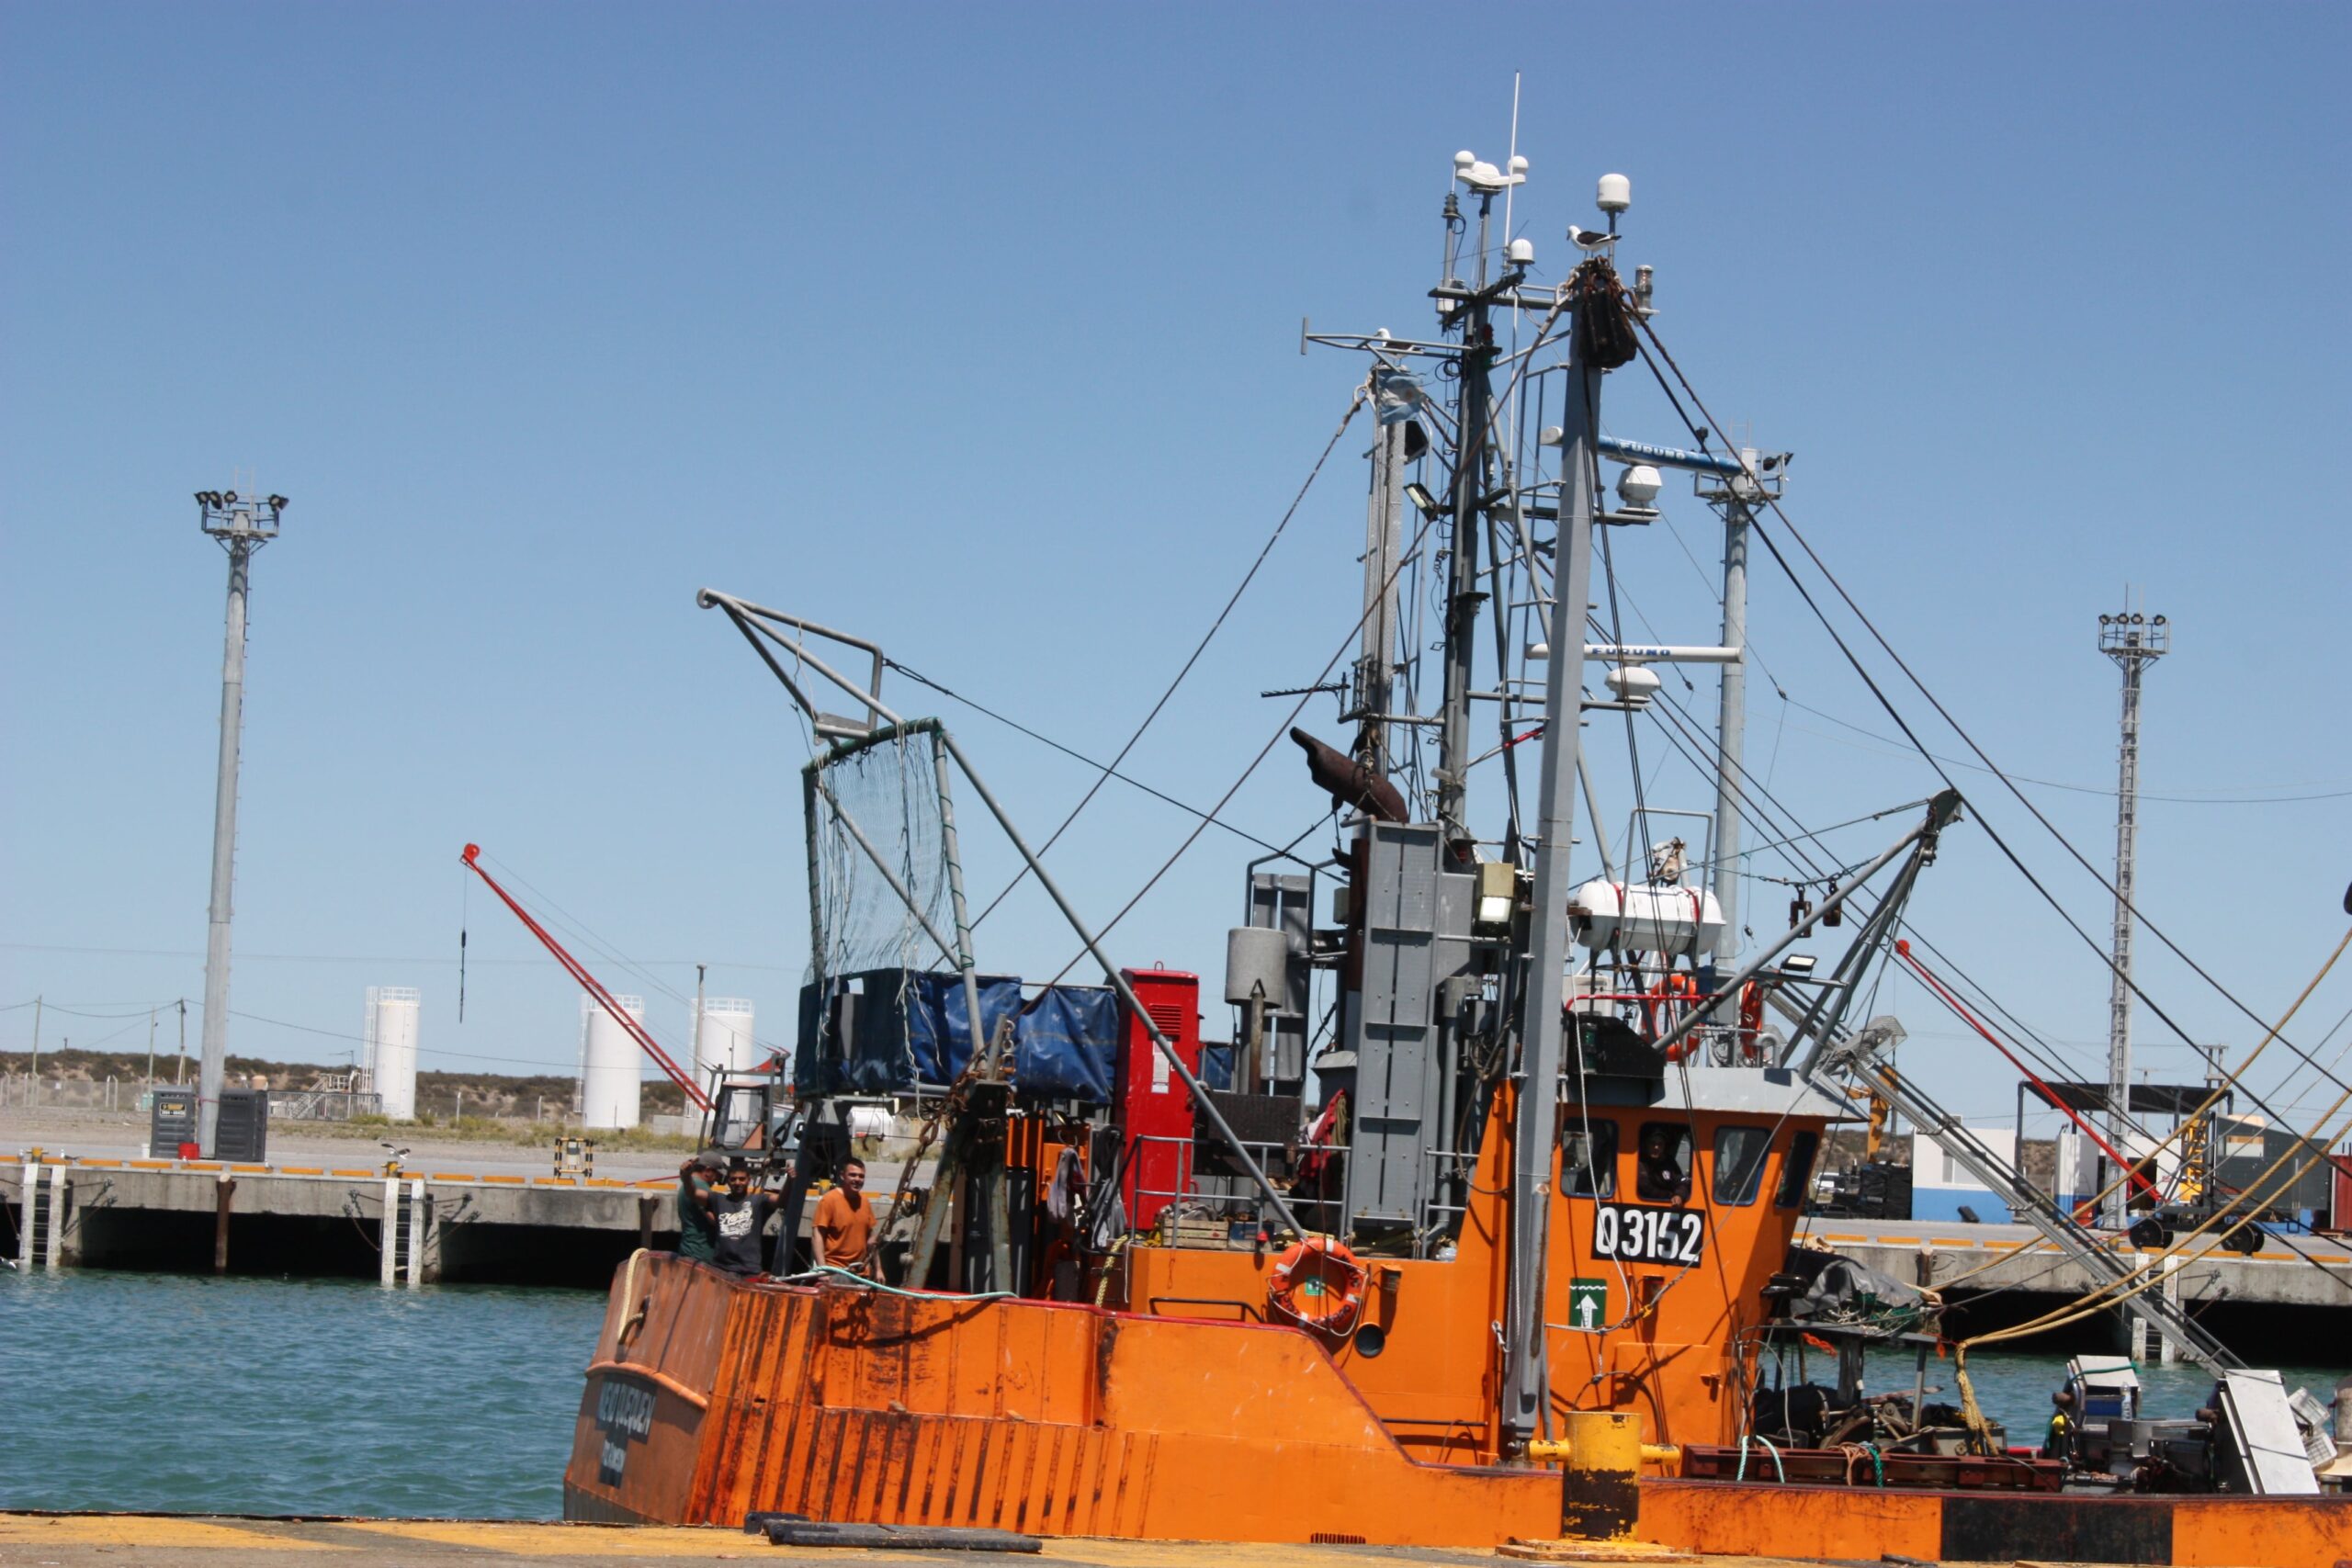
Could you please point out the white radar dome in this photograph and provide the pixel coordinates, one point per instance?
(1639, 485)
(1615, 194)
(1633, 683)
(1520, 252)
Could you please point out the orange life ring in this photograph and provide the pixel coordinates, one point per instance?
(1319, 1284)
(1751, 1017)
(1672, 988)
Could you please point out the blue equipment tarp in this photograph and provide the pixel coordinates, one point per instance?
(911, 1027)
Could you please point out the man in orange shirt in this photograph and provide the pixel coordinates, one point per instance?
(845, 1221)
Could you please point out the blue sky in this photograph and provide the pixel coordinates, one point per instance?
(976, 331)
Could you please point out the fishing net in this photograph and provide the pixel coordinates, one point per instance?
(889, 789)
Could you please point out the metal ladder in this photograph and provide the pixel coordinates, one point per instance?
(41, 1231)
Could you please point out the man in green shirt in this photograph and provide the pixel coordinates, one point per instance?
(696, 1179)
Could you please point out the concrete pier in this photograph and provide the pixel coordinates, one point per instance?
(204, 1215)
(1997, 1275)
(179, 1540)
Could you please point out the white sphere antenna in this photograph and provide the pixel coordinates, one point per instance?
(1520, 252)
(1615, 194)
(1638, 486)
(1519, 163)
(1464, 158)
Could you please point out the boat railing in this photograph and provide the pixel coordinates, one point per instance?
(1183, 1176)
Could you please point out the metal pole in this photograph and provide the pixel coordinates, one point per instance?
(224, 847)
(1462, 594)
(2119, 1004)
(151, 1049)
(1166, 1047)
(955, 859)
(32, 1084)
(179, 1074)
(696, 1044)
(1526, 1365)
(1731, 726)
(2133, 642)
(1383, 540)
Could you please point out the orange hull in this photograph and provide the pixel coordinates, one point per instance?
(1045, 1418)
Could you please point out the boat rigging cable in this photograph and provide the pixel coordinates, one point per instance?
(1997, 839)
(1992, 833)
(1282, 732)
(1107, 770)
(2042, 1051)
(1264, 550)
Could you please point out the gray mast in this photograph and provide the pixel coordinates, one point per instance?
(1382, 541)
(2135, 641)
(1731, 720)
(1462, 595)
(1526, 1369)
(242, 525)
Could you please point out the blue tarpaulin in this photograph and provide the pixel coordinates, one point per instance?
(911, 1027)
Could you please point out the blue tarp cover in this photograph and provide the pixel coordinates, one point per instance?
(911, 1026)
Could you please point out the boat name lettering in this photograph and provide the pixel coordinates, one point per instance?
(1633, 1233)
(626, 1408)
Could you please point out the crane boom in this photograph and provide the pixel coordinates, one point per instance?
(594, 987)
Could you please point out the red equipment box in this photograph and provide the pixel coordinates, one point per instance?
(2341, 1218)
(1152, 1104)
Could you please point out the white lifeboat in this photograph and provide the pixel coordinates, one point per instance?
(1665, 918)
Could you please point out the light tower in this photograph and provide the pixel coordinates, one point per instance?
(2135, 641)
(242, 525)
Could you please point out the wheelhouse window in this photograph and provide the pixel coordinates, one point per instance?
(1662, 1173)
(1739, 1163)
(1796, 1171)
(1588, 1157)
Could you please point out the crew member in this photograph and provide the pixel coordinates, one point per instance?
(845, 1221)
(1658, 1176)
(696, 1179)
(2058, 1442)
(738, 1216)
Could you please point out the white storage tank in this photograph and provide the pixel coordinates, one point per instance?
(611, 1067)
(1646, 917)
(389, 1032)
(724, 1043)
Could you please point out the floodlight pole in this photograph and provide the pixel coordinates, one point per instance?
(242, 525)
(2135, 641)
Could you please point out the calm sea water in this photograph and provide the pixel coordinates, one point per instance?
(335, 1396)
(304, 1397)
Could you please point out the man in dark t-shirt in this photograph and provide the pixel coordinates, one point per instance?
(695, 1179)
(738, 1216)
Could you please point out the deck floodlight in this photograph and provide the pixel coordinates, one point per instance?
(1797, 963)
(1419, 494)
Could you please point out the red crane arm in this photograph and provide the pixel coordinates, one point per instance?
(1943, 994)
(595, 988)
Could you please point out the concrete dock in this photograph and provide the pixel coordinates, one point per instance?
(1994, 1275)
(178, 1540)
(402, 1226)
(499, 1226)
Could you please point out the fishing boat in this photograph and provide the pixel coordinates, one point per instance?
(1500, 1245)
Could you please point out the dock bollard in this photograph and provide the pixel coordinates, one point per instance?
(1601, 1454)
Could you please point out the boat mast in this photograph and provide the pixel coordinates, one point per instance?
(1526, 1368)
(1731, 720)
(1463, 597)
(1375, 682)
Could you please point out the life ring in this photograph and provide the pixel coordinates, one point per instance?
(1667, 998)
(1751, 1018)
(1319, 1284)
